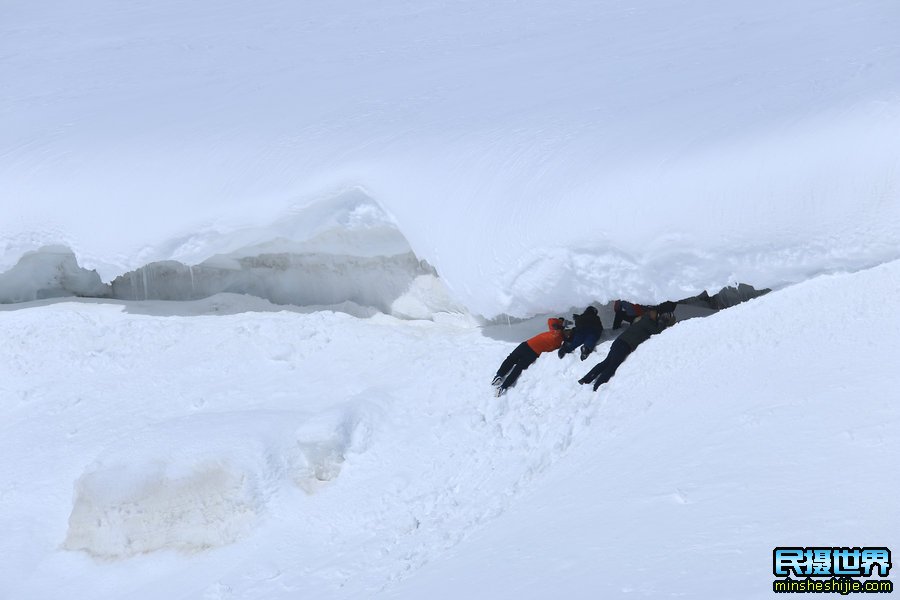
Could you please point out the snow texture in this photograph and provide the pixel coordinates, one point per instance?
(208, 508)
(536, 154)
(392, 172)
(207, 491)
(218, 449)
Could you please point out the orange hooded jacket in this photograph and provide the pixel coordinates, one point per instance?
(549, 340)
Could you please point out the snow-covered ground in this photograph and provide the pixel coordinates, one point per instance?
(221, 449)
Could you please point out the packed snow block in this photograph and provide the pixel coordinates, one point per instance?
(207, 480)
(282, 278)
(123, 511)
(51, 272)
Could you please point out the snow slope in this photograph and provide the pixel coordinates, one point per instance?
(774, 423)
(225, 448)
(537, 154)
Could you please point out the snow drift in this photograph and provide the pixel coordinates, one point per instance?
(536, 154)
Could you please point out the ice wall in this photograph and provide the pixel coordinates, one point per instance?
(342, 253)
(537, 154)
(51, 272)
(302, 279)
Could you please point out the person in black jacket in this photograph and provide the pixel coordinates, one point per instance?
(588, 329)
(652, 322)
(626, 311)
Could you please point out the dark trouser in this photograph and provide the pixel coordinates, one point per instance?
(586, 339)
(604, 371)
(621, 315)
(518, 360)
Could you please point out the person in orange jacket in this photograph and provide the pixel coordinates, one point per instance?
(527, 352)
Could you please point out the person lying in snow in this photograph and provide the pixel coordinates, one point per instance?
(626, 311)
(527, 352)
(652, 322)
(588, 329)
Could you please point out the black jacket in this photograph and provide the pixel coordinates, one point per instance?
(589, 321)
(640, 331)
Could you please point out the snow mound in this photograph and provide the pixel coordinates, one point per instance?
(50, 272)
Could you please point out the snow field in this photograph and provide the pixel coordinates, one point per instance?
(284, 429)
(268, 454)
(537, 155)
